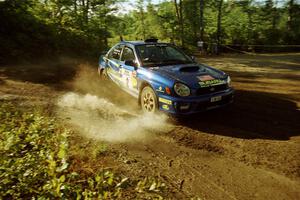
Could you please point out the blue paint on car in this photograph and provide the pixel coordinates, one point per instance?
(181, 85)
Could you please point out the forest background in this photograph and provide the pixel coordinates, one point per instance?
(37, 29)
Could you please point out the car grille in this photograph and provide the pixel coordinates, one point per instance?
(225, 100)
(212, 89)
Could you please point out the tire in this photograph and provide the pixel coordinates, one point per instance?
(102, 74)
(148, 100)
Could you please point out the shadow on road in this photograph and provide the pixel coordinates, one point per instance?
(253, 115)
(52, 74)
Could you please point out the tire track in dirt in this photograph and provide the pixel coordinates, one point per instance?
(282, 157)
(204, 173)
(210, 185)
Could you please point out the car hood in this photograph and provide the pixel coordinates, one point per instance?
(189, 74)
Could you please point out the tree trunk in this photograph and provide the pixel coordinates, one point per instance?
(201, 20)
(250, 26)
(290, 17)
(140, 7)
(87, 11)
(180, 20)
(75, 7)
(105, 28)
(219, 26)
(143, 24)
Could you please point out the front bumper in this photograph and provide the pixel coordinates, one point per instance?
(196, 104)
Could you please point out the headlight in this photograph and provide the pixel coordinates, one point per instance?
(182, 90)
(229, 81)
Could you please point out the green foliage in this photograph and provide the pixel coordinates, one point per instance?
(34, 161)
(150, 184)
(235, 23)
(242, 22)
(32, 29)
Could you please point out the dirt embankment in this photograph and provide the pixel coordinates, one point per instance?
(248, 151)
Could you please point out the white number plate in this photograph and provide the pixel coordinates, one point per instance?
(217, 98)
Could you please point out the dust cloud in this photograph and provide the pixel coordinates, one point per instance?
(92, 109)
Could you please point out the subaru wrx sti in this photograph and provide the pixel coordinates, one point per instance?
(162, 77)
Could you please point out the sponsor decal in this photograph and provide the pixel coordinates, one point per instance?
(121, 72)
(133, 79)
(211, 82)
(133, 82)
(124, 72)
(160, 89)
(134, 74)
(109, 70)
(127, 82)
(166, 107)
(166, 101)
(205, 78)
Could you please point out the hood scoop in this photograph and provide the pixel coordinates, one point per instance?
(191, 69)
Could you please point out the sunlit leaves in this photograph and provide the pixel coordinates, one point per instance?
(34, 161)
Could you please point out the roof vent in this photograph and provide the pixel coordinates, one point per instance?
(189, 69)
(151, 40)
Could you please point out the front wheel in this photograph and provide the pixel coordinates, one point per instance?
(149, 100)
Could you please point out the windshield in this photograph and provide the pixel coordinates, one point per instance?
(161, 54)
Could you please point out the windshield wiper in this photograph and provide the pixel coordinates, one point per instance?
(175, 61)
(153, 63)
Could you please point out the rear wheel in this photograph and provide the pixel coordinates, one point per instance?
(149, 100)
(102, 74)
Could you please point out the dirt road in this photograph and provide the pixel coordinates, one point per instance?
(248, 151)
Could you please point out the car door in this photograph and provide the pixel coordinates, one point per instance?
(128, 69)
(114, 64)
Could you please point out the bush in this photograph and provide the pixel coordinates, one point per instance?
(34, 161)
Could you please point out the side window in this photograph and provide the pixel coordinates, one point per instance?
(115, 53)
(127, 54)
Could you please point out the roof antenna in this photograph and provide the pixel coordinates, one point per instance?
(121, 38)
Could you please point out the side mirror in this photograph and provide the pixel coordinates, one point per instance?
(194, 59)
(131, 63)
(103, 52)
(102, 58)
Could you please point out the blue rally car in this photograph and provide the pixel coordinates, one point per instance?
(162, 77)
